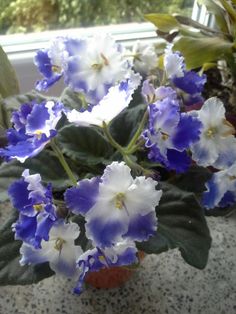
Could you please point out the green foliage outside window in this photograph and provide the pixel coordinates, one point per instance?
(33, 15)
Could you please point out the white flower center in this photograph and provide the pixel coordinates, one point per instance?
(56, 69)
(59, 244)
(119, 200)
(164, 135)
(211, 132)
(98, 66)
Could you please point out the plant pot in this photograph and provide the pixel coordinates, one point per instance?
(113, 277)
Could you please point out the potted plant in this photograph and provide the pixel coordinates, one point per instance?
(115, 166)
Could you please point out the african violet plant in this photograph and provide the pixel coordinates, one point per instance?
(119, 163)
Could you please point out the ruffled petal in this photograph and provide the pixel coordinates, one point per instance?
(178, 161)
(191, 82)
(81, 198)
(107, 109)
(19, 194)
(25, 228)
(141, 227)
(106, 224)
(187, 132)
(30, 255)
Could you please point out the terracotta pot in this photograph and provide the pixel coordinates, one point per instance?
(112, 277)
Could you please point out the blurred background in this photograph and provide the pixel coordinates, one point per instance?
(23, 16)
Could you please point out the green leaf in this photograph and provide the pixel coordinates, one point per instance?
(4, 117)
(73, 100)
(8, 173)
(193, 180)
(11, 273)
(8, 81)
(218, 12)
(82, 240)
(182, 225)
(229, 9)
(169, 26)
(14, 102)
(84, 144)
(164, 22)
(187, 21)
(124, 126)
(198, 51)
(45, 163)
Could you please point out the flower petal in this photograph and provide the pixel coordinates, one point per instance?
(81, 198)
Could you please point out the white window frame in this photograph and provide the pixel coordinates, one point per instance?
(201, 15)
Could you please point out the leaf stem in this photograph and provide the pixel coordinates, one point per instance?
(63, 162)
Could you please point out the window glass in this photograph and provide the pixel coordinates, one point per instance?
(38, 15)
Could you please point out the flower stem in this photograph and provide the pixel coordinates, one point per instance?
(137, 133)
(126, 152)
(111, 139)
(63, 162)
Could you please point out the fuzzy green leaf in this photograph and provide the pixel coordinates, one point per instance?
(193, 180)
(182, 225)
(126, 123)
(8, 81)
(230, 10)
(164, 22)
(45, 163)
(84, 144)
(72, 99)
(198, 51)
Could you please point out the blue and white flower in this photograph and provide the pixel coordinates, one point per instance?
(116, 100)
(170, 132)
(34, 125)
(144, 57)
(189, 82)
(51, 63)
(37, 214)
(116, 206)
(59, 250)
(122, 254)
(217, 145)
(96, 67)
(221, 189)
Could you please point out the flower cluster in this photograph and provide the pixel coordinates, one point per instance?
(117, 202)
(118, 211)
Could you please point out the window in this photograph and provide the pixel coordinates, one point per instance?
(34, 16)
